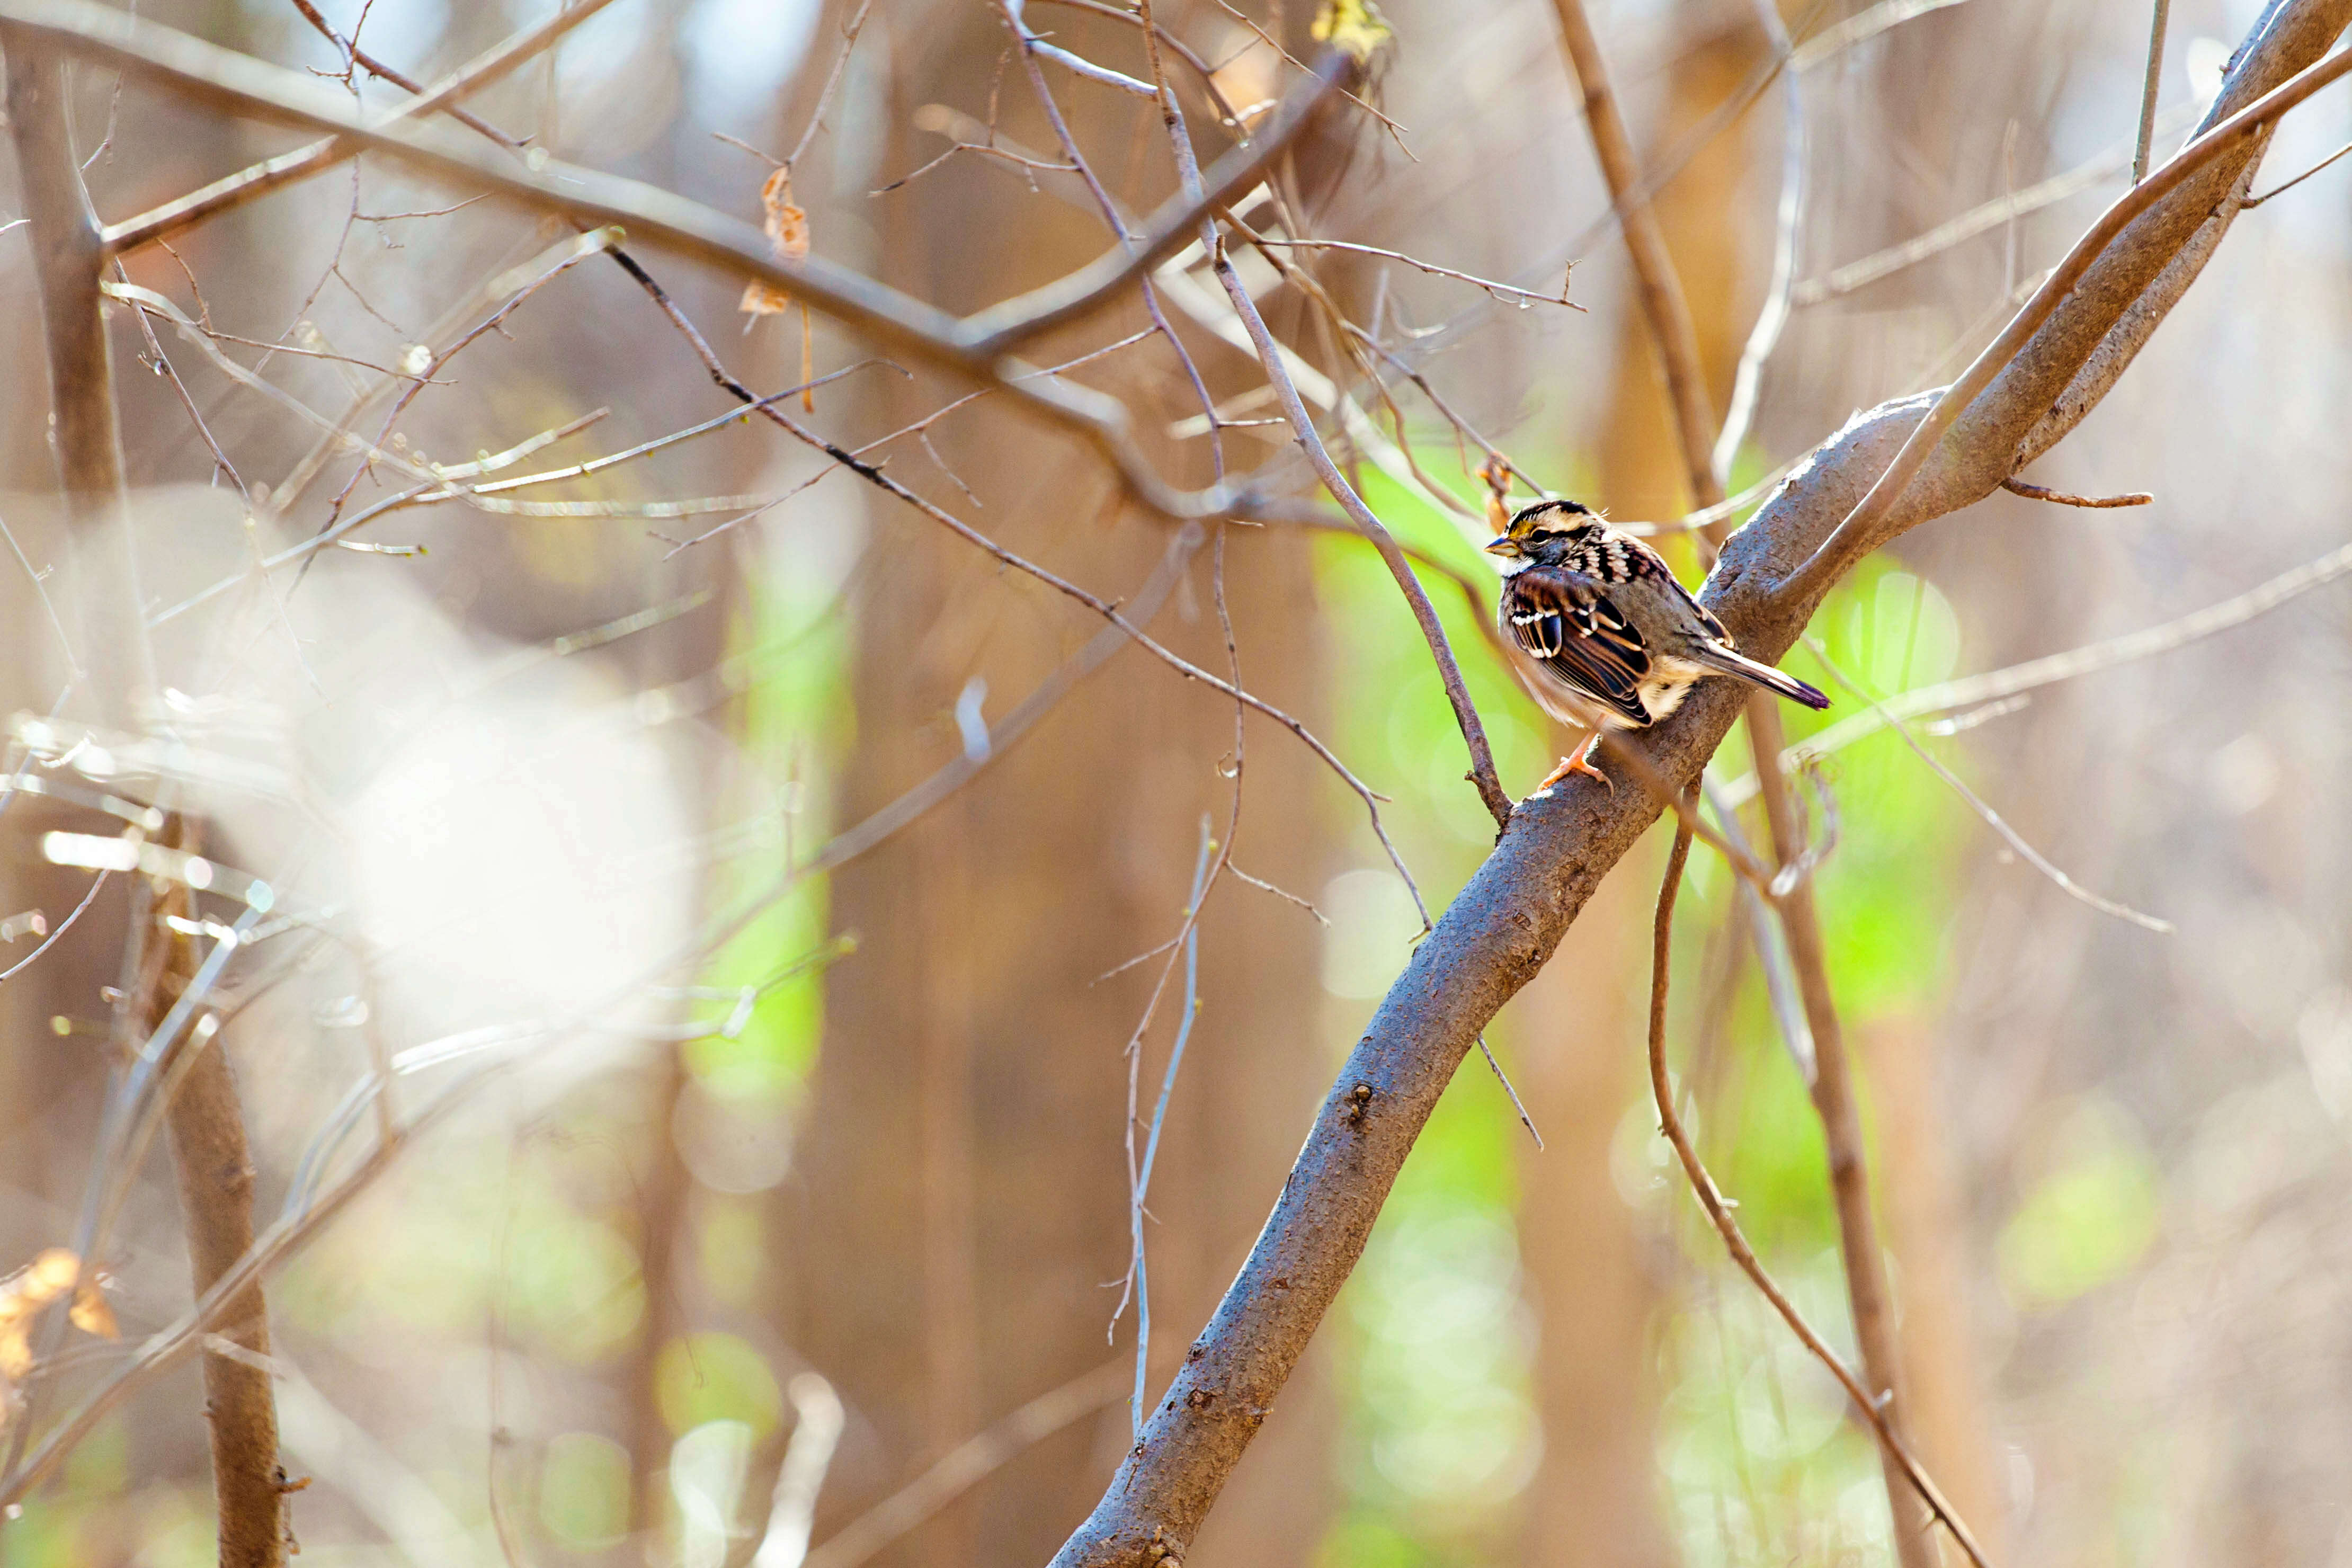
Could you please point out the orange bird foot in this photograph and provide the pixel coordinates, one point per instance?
(1577, 764)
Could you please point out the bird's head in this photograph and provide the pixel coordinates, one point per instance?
(1541, 534)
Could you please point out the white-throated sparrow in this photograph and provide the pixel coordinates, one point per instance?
(1612, 639)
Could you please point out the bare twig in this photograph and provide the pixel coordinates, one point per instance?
(2062, 498)
(1719, 1212)
(970, 344)
(1139, 1169)
(2281, 189)
(1991, 818)
(234, 189)
(2237, 136)
(1994, 687)
(1499, 290)
(1671, 324)
(1983, 218)
(1203, 73)
(1505, 1080)
(1654, 269)
(963, 1465)
(2148, 88)
(1748, 380)
(367, 62)
(1302, 424)
(849, 31)
(1867, 1292)
(1035, 47)
(1395, 131)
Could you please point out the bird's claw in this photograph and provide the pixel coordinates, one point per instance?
(1578, 764)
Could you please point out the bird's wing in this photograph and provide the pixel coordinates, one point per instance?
(1578, 638)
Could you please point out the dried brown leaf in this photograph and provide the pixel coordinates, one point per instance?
(788, 233)
(91, 1313)
(23, 1295)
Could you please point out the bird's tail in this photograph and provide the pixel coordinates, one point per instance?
(1727, 661)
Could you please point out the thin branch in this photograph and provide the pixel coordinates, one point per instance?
(1139, 1169)
(1271, 42)
(1856, 533)
(1719, 1212)
(2004, 686)
(1302, 424)
(1868, 1294)
(1748, 380)
(2147, 91)
(1654, 269)
(970, 344)
(2062, 498)
(1505, 1080)
(1204, 75)
(2281, 190)
(963, 1468)
(1991, 818)
(1983, 218)
(1771, 944)
(63, 926)
(1038, 48)
(849, 31)
(1499, 290)
(377, 69)
(234, 189)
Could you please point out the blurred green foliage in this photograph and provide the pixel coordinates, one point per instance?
(583, 1491)
(794, 714)
(707, 1378)
(2091, 1215)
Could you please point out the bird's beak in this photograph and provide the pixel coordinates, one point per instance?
(1501, 544)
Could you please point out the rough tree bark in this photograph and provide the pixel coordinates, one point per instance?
(216, 1176)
